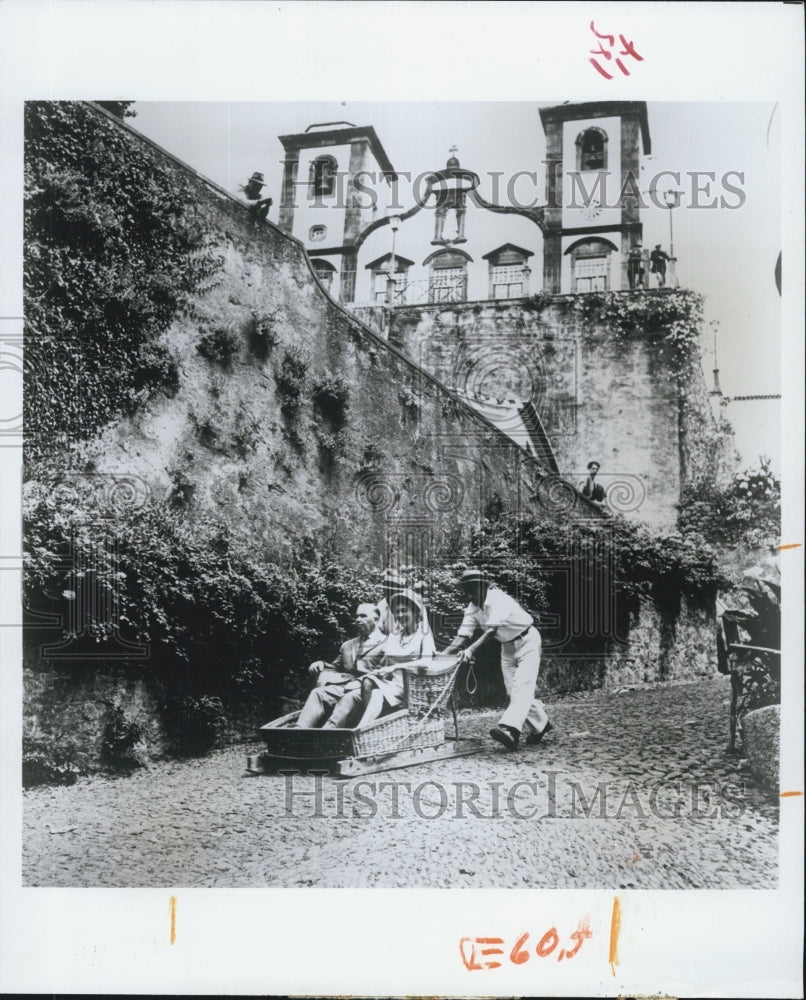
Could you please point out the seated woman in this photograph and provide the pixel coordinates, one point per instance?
(395, 583)
(411, 641)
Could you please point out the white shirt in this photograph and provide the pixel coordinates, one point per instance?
(399, 648)
(500, 612)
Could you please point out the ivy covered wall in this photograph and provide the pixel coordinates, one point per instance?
(173, 339)
(218, 459)
(616, 377)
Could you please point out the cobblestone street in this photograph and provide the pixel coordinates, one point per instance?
(631, 790)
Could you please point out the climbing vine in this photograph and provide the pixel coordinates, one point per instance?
(671, 320)
(114, 248)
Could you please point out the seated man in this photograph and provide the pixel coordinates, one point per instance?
(356, 658)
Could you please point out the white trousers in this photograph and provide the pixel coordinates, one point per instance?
(520, 665)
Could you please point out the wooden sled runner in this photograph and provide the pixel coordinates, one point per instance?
(413, 735)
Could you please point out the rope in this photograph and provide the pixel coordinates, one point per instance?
(438, 703)
(471, 673)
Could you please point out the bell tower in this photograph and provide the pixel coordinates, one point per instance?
(592, 214)
(332, 179)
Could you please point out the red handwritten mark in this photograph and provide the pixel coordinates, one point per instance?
(471, 962)
(517, 956)
(786, 795)
(628, 49)
(615, 928)
(794, 545)
(582, 933)
(547, 944)
(172, 909)
(476, 957)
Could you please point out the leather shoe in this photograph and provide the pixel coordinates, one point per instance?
(534, 738)
(506, 736)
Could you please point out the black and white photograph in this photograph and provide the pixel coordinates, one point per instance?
(400, 505)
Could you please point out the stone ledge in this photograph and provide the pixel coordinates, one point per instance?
(761, 740)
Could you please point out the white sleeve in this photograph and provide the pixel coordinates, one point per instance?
(469, 623)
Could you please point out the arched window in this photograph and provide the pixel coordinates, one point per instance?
(590, 265)
(592, 149)
(322, 177)
(448, 279)
(325, 272)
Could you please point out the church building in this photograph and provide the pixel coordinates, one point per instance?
(452, 244)
(479, 288)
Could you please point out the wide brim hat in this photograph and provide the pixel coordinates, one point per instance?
(472, 577)
(407, 597)
(257, 177)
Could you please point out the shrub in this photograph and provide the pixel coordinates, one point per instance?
(263, 335)
(194, 723)
(50, 758)
(219, 345)
(747, 511)
(206, 604)
(331, 396)
(119, 737)
(182, 487)
(291, 377)
(659, 567)
(538, 302)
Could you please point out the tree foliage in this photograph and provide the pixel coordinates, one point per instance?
(747, 511)
(120, 109)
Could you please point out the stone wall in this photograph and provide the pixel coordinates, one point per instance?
(308, 426)
(302, 430)
(600, 395)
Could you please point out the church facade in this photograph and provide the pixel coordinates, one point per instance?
(451, 243)
(482, 291)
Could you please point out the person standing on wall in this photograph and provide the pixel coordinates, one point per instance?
(657, 264)
(500, 616)
(635, 267)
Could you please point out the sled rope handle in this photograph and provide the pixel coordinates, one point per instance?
(471, 679)
(438, 703)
